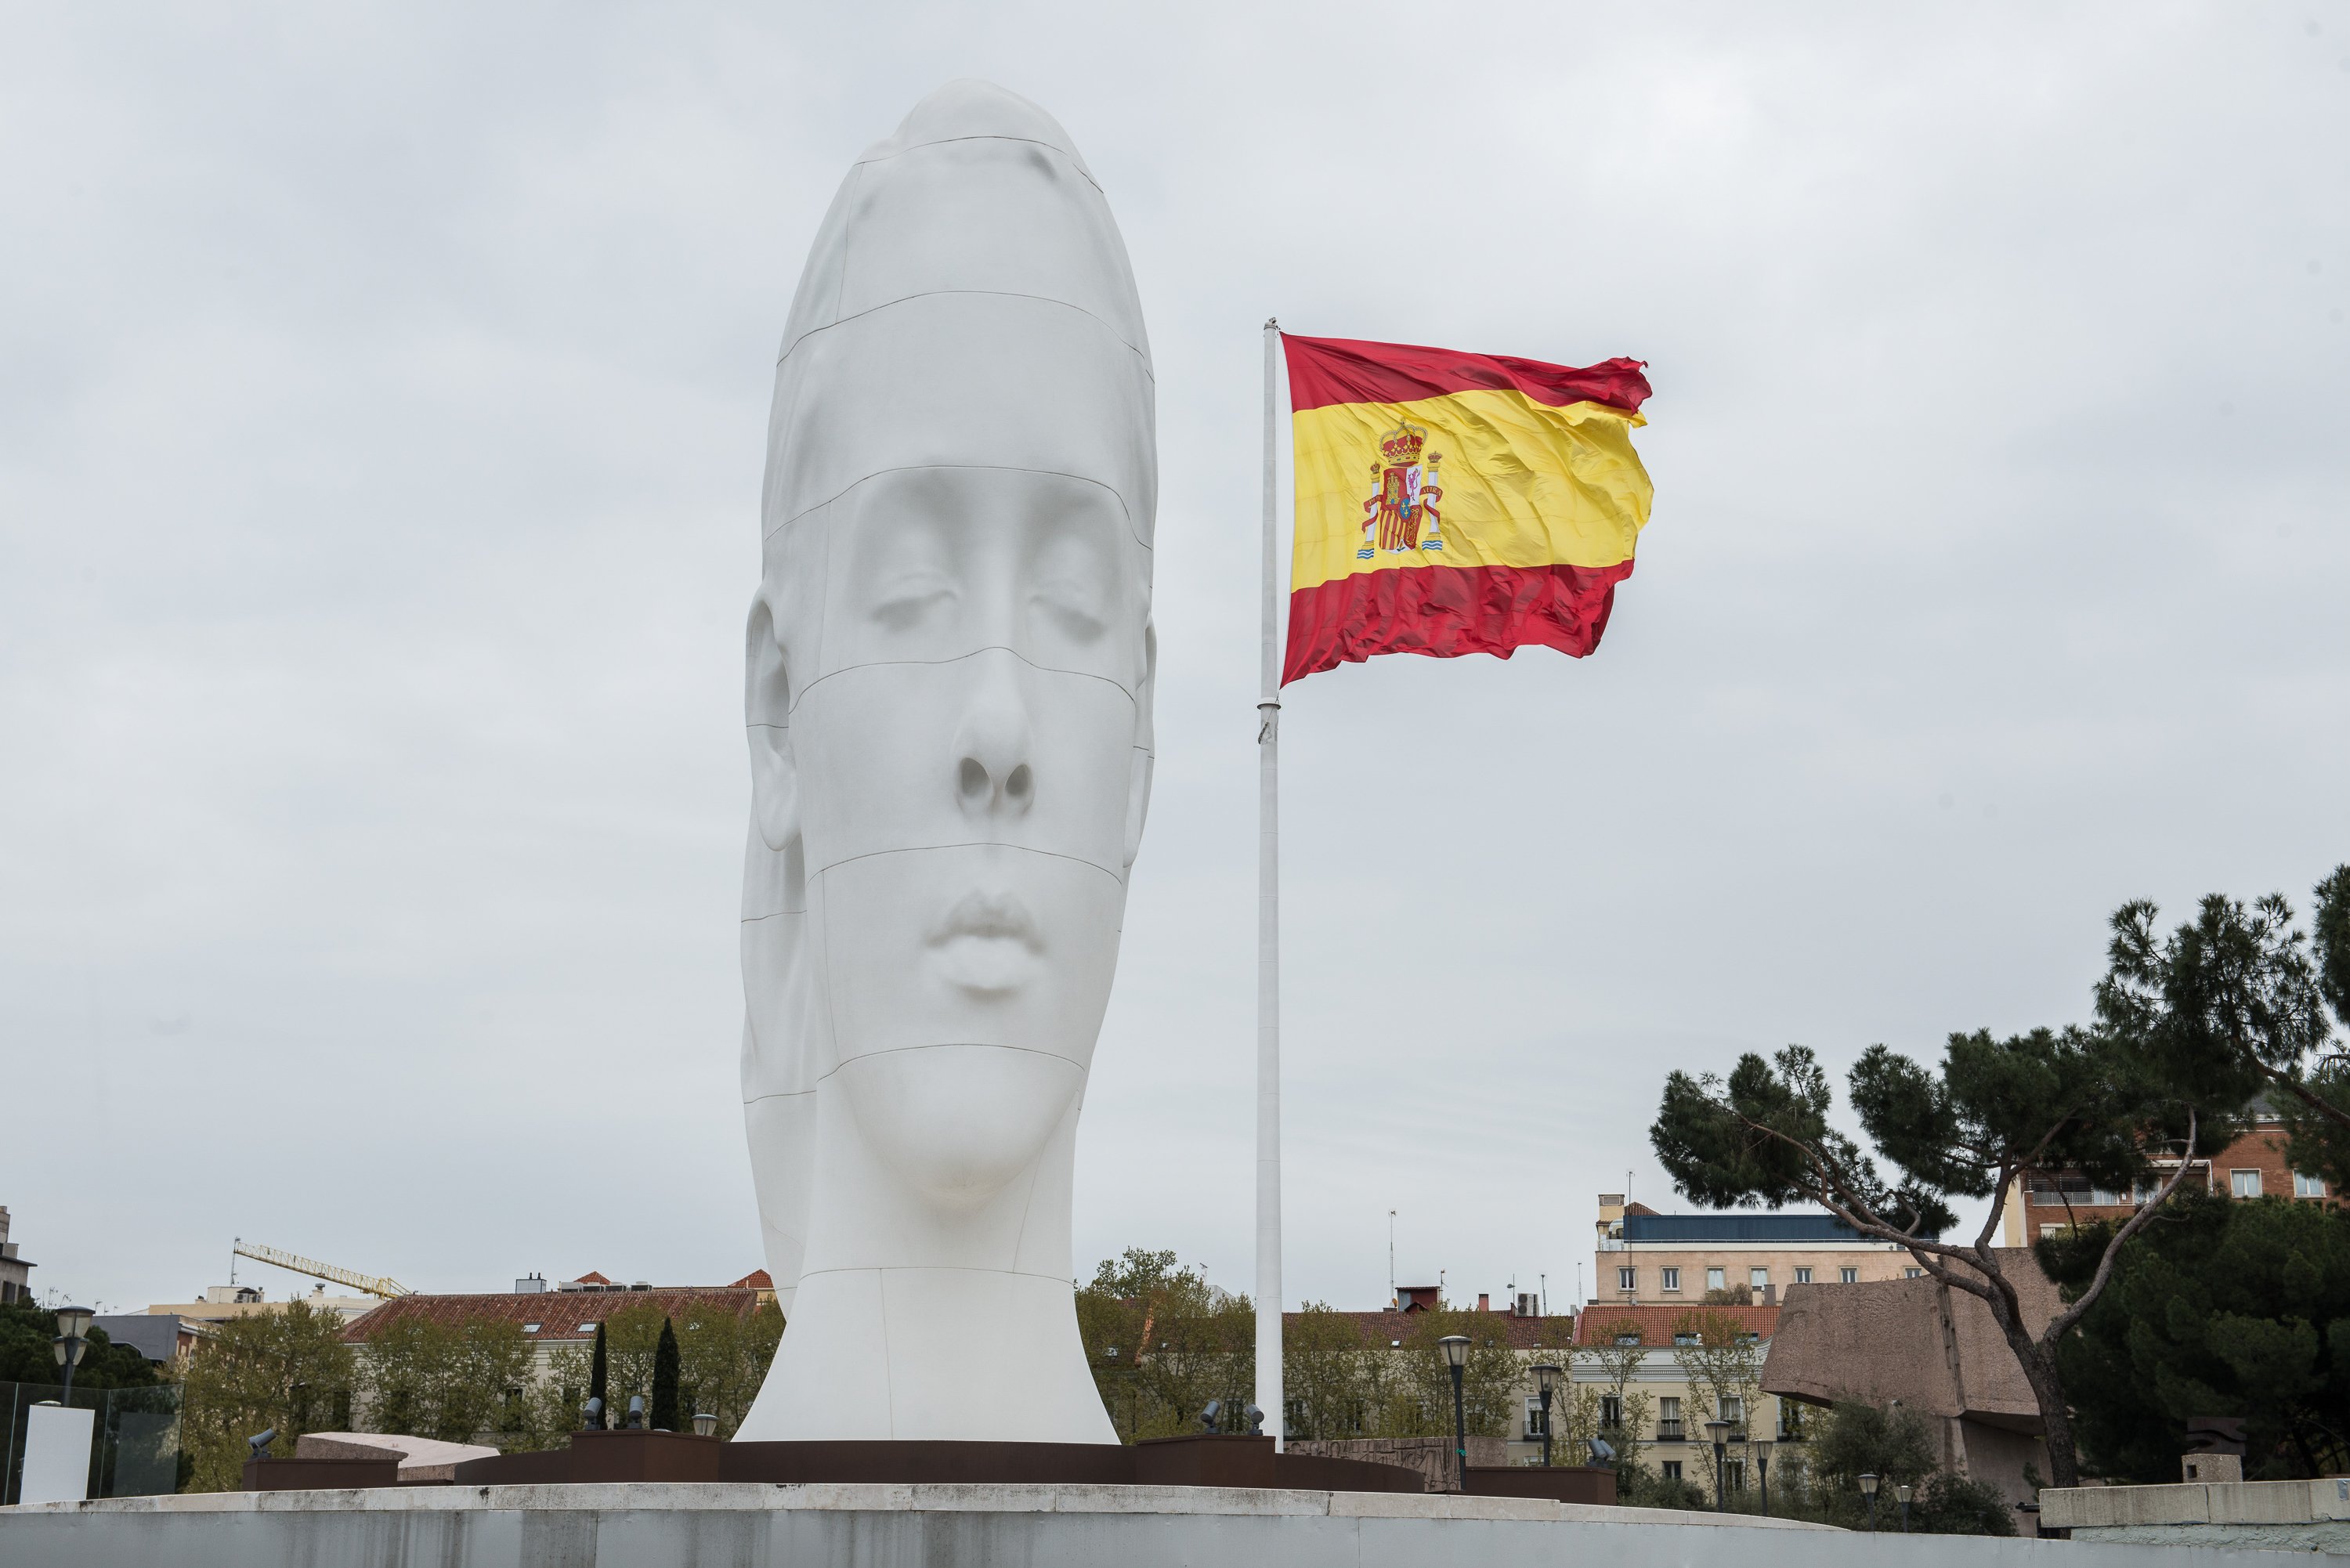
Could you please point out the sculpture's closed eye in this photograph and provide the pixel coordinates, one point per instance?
(905, 602)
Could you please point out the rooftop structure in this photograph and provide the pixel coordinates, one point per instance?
(14, 1269)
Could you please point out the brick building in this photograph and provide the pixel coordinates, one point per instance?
(2251, 1167)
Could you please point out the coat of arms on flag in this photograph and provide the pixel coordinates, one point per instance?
(1505, 501)
(1403, 497)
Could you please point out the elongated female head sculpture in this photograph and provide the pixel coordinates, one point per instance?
(950, 677)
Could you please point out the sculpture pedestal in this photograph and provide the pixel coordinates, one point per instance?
(743, 1524)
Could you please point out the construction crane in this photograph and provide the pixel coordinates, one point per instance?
(373, 1284)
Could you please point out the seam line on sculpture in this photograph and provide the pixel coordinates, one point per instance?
(974, 843)
(958, 658)
(1139, 352)
(945, 1045)
(1069, 153)
(816, 506)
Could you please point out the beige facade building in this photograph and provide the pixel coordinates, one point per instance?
(1676, 1403)
(1645, 1258)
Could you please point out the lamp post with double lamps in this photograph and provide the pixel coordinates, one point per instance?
(1545, 1384)
(1868, 1490)
(73, 1327)
(1456, 1356)
(1717, 1430)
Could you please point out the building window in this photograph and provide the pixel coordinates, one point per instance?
(1911, 1274)
(1715, 1280)
(1848, 1275)
(1733, 1474)
(1802, 1273)
(1672, 1469)
(1760, 1279)
(1628, 1339)
(1671, 1279)
(1611, 1410)
(1687, 1336)
(530, 1328)
(2244, 1183)
(1534, 1416)
(1626, 1279)
(1733, 1409)
(1668, 1420)
(2308, 1185)
(1791, 1421)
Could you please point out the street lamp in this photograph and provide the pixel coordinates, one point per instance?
(1868, 1490)
(705, 1425)
(73, 1322)
(1762, 1447)
(1902, 1491)
(1456, 1356)
(1545, 1380)
(1717, 1430)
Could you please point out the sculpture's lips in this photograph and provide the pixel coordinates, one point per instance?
(987, 942)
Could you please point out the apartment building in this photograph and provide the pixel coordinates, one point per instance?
(2253, 1166)
(1645, 1258)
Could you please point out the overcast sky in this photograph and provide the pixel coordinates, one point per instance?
(382, 396)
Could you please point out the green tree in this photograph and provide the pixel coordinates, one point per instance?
(290, 1370)
(723, 1356)
(1421, 1404)
(1994, 1112)
(1328, 1373)
(1163, 1341)
(28, 1353)
(1722, 1363)
(2226, 1308)
(1619, 1414)
(664, 1417)
(2234, 1002)
(458, 1383)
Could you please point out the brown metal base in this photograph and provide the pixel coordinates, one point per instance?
(598, 1456)
(1161, 1462)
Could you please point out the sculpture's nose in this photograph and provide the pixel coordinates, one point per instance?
(994, 776)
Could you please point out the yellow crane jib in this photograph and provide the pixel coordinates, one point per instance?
(371, 1284)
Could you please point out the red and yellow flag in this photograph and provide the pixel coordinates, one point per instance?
(1451, 504)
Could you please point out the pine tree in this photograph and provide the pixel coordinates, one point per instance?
(664, 1409)
(596, 1379)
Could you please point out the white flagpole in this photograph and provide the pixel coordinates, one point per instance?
(1268, 956)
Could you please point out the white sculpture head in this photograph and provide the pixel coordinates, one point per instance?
(950, 664)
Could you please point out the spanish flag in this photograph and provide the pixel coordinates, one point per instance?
(1451, 504)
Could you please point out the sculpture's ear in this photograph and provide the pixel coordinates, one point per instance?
(767, 712)
(1137, 787)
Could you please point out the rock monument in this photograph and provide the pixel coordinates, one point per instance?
(950, 664)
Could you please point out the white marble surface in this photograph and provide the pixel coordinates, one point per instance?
(949, 670)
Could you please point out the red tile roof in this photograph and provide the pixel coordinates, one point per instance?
(592, 1277)
(757, 1280)
(1598, 1321)
(560, 1314)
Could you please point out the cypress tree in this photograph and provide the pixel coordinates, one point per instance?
(665, 1370)
(596, 1384)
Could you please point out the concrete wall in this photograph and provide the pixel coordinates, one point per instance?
(750, 1526)
(2290, 1516)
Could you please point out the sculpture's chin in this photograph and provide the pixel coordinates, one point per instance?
(958, 1123)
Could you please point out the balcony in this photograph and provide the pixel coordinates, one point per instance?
(1669, 1432)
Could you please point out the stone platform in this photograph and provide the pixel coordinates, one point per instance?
(754, 1525)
